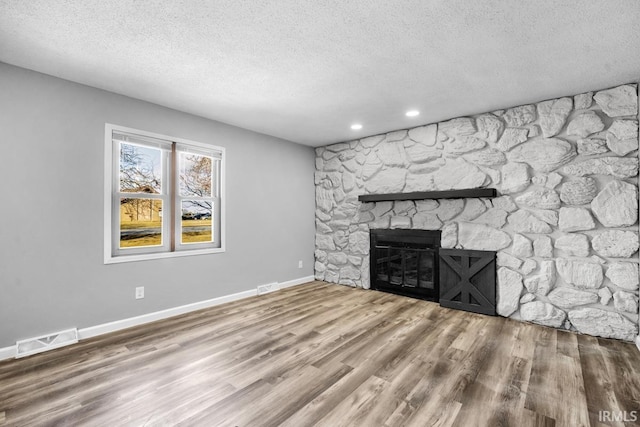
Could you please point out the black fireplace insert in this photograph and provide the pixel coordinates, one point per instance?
(405, 262)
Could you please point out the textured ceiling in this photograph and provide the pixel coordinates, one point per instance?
(306, 70)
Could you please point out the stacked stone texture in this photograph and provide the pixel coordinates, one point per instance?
(565, 226)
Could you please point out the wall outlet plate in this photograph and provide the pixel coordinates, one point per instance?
(140, 292)
(300, 264)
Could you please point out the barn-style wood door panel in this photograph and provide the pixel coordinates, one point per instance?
(467, 280)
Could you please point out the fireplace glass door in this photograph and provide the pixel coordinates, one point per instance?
(404, 263)
(405, 267)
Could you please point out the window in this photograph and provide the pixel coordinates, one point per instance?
(164, 196)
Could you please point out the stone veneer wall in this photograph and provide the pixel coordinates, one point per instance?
(565, 226)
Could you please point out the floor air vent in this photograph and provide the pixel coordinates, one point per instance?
(46, 342)
(269, 287)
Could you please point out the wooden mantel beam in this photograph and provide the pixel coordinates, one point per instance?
(421, 195)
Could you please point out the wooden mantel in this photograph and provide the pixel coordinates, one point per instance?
(421, 195)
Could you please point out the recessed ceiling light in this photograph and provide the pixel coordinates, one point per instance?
(412, 113)
(356, 126)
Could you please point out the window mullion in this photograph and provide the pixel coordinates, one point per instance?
(173, 182)
(167, 213)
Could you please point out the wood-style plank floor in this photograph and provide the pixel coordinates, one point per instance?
(322, 354)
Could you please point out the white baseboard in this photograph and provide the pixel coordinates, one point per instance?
(638, 342)
(8, 352)
(296, 282)
(92, 331)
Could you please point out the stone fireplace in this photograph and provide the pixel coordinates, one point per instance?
(564, 224)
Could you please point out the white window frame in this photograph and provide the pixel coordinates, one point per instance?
(112, 253)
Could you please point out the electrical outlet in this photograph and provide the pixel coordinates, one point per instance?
(300, 264)
(140, 292)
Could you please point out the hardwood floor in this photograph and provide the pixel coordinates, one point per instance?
(322, 354)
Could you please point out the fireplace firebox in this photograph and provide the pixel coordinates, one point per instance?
(405, 262)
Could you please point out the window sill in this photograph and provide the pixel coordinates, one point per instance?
(109, 259)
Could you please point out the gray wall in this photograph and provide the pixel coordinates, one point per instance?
(52, 274)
